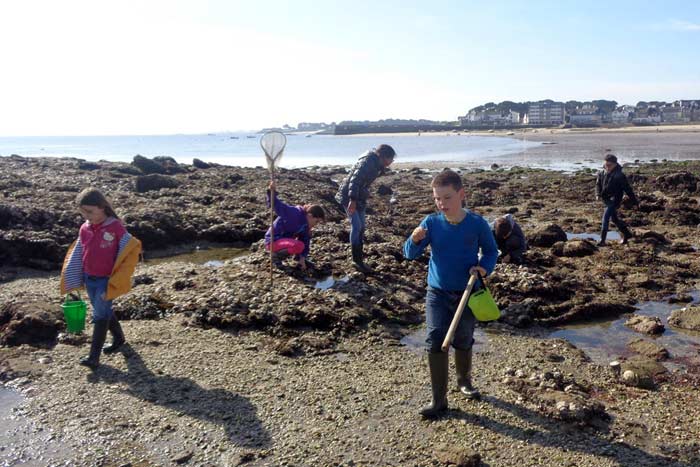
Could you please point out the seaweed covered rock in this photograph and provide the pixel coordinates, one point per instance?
(34, 323)
(547, 236)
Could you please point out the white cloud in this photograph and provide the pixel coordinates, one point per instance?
(677, 25)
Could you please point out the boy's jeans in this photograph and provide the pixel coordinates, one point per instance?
(357, 226)
(440, 308)
(96, 287)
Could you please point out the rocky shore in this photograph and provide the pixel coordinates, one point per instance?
(222, 369)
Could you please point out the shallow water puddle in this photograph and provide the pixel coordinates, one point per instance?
(604, 341)
(22, 443)
(330, 281)
(213, 257)
(612, 235)
(415, 342)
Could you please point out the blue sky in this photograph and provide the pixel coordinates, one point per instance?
(129, 67)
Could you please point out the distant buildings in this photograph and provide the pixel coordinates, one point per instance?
(546, 113)
(580, 114)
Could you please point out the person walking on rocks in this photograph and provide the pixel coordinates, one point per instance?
(353, 194)
(292, 229)
(510, 239)
(611, 185)
(456, 236)
(102, 260)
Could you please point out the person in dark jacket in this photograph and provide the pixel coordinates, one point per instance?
(353, 194)
(510, 239)
(611, 186)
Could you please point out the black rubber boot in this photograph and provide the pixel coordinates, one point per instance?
(99, 334)
(117, 336)
(463, 364)
(603, 236)
(626, 235)
(358, 259)
(439, 364)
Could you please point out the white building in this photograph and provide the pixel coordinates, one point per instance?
(545, 113)
(622, 114)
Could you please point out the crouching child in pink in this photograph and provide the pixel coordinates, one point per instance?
(292, 229)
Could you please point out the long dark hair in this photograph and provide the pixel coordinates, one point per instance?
(94, 197)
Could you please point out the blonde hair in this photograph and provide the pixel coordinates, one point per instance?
(94, 197)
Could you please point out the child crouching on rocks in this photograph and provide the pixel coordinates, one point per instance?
(455, 236)
(102, 260)
(510, 239)
(292, 228)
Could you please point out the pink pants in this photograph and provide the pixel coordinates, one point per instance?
(293, 247)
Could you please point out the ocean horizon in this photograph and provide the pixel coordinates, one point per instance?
(243, 149)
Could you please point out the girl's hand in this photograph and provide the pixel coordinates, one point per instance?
(478, 270)
(419, 234)
(272, 186)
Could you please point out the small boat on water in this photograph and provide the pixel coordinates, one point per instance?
(308, 136)
(510, 133)
(250, 136)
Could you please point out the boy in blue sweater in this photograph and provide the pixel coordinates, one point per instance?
(455, 236)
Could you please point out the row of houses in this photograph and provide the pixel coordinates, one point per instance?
(551, 113)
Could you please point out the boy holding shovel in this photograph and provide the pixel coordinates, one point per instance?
(455, 236)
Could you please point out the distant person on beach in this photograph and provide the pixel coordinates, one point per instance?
(292, 228)
(510, 239)
(610, 186)
(102, 260)
(353, 194)
(455, 236)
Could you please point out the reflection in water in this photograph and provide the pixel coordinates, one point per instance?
(213, 257)
(607, 340)
(612, 235)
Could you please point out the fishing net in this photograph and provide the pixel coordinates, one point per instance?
(273, 143)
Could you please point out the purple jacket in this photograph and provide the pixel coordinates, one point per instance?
(290, 223)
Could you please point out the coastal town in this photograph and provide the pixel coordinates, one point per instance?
(538, 114)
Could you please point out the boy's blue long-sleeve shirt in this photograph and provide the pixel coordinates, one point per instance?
(454, 249)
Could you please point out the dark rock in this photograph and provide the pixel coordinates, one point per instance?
(34, 323)
(648, 349)
(680, 298)
(384, 190)
(642, 372)
(84, 165)
(645, 324)
(547, 236)
(127, 170)
(182, 457)
(147, 166)
(169, 164)
(686, 318)
(153, 182)
(574, 248)
(457, 456)
(679, 181)
(200, 164)
(488, 184)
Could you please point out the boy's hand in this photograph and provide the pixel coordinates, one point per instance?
(272, 186)
(419, 234)
(478, 270)
(352, 207)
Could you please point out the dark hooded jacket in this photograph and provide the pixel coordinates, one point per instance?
(611, 187)
(356, 185)
(515, 245)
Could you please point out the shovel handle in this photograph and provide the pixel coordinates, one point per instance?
(458, 314)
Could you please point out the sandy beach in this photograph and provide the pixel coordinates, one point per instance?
(222, 369)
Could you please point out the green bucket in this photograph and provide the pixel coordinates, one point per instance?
(74, 313)
(483, 305)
